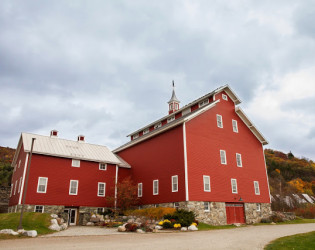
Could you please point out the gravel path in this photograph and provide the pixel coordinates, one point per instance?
(250, 237)
(83, 231)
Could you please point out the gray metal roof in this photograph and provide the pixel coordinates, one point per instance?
(55, 146)
(173, 98)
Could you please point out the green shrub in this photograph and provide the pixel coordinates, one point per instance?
(182, 216)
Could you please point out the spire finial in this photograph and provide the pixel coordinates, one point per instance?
(173, 84)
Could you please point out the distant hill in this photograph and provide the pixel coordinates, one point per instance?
(6, 157)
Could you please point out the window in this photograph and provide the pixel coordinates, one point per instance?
(100, 210)
(158, 125)
(186, 111)
(258, 207)
(170, 119)
(203, 103)
(224, 97)
(101, 189)
(206, 183)
(135, 136)
(11, 190)
(15, 167)
(139, 189)
(75, 163)
(219, 121)
(147, 130)
(206, 206)
(234, 186)
(103, 166)
(223, 157)
(42, 184)
(176, 205)
(239, 160)
(234, 125)
(39, 209)
(15, 187)
(73, 189)
(19, 164)
(155, 187)
(156, 205)
(175, 183)
(20, 183)
(256, 187)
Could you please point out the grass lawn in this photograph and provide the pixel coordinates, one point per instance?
(298, 241)
(31, 221)
(204, 226)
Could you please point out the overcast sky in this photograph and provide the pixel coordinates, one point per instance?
(104, 68)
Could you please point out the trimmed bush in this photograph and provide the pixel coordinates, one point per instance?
(156, 213)
(182, 216)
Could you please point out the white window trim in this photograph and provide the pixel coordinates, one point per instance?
(19, 164)
(186, 111)
(203, 103)
(39, 206)
(235, 126)
(255, 188)
(15, 166)
(146, 131)
(206, 210)
(99, 166)
(74, 165)
(157, 183)
(223, 152)
(76, 193)
(176, 204)
(219, 119)
(224, 97)
(205, 177)
(170, 119)
(135, 136)
(46, 184)
(258, 207)
(20, 182)
(11, 189)
(240, 159)
(158, 125)
(98, 189)
(234, 192)
(140, 189)
(15, 187)
(175, 177)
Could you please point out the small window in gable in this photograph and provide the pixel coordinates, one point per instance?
(170, 119)
(39, 209)
(175, 183)
(135, 136)
(223, 157)
(101, 189)
(234, 186)
(203, 103)
(224, 97)
(219, 121)
(206, 206)
(206, 183)
(139, 189)
(102, 166)
(15, 167)
(155, 187)
(158, 125)
(239, 160)
(147, 130)
(75, 163)
(42, 185)
(186, 111)
(256, 187)
(234, 125)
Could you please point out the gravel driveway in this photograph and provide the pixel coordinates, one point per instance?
(250, 237)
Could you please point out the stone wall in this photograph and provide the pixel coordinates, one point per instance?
(254, 216)
(4, 198)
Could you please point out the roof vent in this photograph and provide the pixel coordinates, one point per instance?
(81, 138)
(54, 133)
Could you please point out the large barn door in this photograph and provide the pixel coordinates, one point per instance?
(235, 213)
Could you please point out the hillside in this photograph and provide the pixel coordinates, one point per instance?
(6, 157)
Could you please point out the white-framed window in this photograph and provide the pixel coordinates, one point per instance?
(102, 166)
(75, 163)
(73, 187)
(140, 186)
(206, 206)
(224, 97)
(256, 187)
(147, 130)
(239, 160)
(175, 183)
(15, 187)
(203, 103)
(11, 189)
(100, 210)
(176, 204)
(20, 183)
(155, 187)
(42, 184)
(158, 125)
(15, 166)
(170, 119)
(206, 183)
(39, 209)
(223, 157)
(135, 136)
(219, 121)
(101, 189)
(19, 164)
(258, 207)
(234, 125)
(234, 186)
(186, 111)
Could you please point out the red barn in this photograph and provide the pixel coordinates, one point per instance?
(206, 157)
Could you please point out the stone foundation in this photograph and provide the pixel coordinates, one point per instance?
(254, 216)
(4, 198)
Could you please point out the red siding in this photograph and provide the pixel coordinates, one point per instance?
(204, 141)
(158, 158)
(59, 173)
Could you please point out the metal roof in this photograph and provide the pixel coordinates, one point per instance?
(173, 98)
(55, 146)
